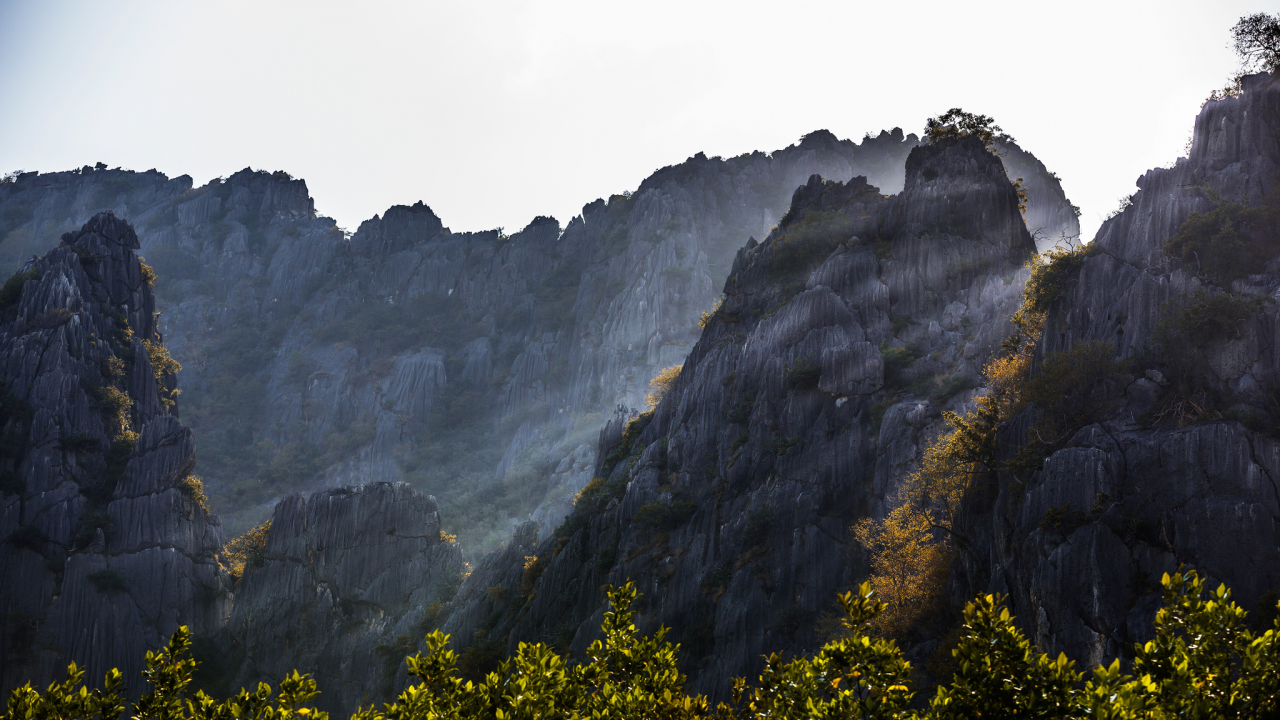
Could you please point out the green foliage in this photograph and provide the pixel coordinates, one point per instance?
(999, 675)
(1071, 390)
(664, 516)
(630, 434)
(28, 537)
(1192, 328)
(1204, 318)
(956, 123)
(624, 676)
(802, 374)
(108, 581)
(116, 405)
(247, 551)
(164, 367)
(193, 488)
(11, 292)
(756, 530)
(69, 699)
(1229, 242)
(896, 361)
(740, 412)
(1203, 663)
(852, 677)
(1257, 41)
(1050, 273)
(803, 244)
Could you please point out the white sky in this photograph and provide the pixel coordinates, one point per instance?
(495, 112)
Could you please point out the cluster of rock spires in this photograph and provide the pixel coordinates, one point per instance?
(802, 405)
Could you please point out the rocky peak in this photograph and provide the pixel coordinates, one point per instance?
(400, 228)
(104, 524)
(347, 580)
(959, 188)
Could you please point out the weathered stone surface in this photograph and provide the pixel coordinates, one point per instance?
(101, 561)
(346, 573)
(1150, 497)
(564, 322)
(770, 469)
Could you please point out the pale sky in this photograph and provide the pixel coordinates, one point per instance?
(495, 112)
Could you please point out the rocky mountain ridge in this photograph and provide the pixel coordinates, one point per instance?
(312, 359)
(841, 337)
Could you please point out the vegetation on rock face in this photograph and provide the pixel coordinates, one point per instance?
(907, 568)
(660, 384)
(1068, 391)
(247, 550)
(1204, 662)
(956, 123)
(1229, 242)
(803, 244)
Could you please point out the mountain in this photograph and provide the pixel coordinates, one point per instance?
(479, 367)
(1179, 464)
(840, 339)
(319, 369)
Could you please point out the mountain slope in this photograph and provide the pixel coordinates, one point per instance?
(841, 337)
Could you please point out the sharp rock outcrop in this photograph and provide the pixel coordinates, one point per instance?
(106, 548)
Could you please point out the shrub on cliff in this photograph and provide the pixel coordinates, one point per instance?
(247, 550)
(1228, 242)
(956, 123)
(1257, 41)
(660, 384)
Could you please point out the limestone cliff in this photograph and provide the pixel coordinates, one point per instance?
(107, 547)
(840, 338)
(473, 365)
(1151, 487)
(344, 591)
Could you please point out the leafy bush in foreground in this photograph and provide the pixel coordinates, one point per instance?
(1203, 663)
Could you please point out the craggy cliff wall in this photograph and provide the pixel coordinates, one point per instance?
(1151, 491)
(107, 548)
(476, 366)
(841, 337)
(345, 581)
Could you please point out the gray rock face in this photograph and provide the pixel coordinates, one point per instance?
(840, 338)
(347, 572)
(316, 359)
(1150, 497)
(105, 551)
